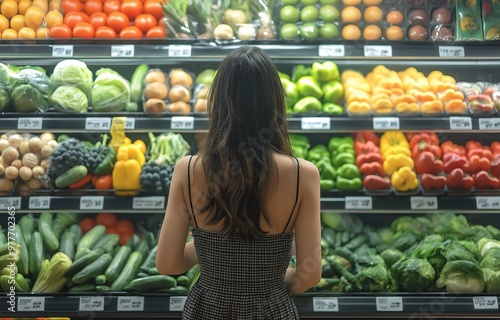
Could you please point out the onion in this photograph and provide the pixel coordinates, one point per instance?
(223, 32)
(4, 143)
(266, 32)
(234, 17)
(47, 136)
(15, 140)
(246, 32)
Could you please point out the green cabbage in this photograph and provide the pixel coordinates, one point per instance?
(74, 73)
(6, 76)
(67, 98)
(31, 91)
(110, 91)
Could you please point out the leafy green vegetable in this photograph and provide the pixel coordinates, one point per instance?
(491, 280)
(66, 98)
(414, 275)
(32, 91)
(110, 91)
(461, 276)
(373, 273)
(486, 244)
(74, 73)
(6, 77)
(452, 226)
(391, 256)
(491, 259)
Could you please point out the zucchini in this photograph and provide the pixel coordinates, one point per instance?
(100, 279)
(45, 228)
(92, 270)
(71, 176)
(87, 258)
(68, 244)
(27, 224)
(23, 263)
(87, 287)
(117, 264)
(143, 248)
(136, 82)
(102, 288)
(76, 231)
(129, 272)
(183, 281)
(89, 239)
(36, 251)
(152, 283)
(150, 260)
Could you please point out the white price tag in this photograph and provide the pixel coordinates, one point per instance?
(93, 303)
(389, 304)
(358, 203)
(424, 203)
(386, 123)
(31, 304)
(39, 202)
(91, 202)
(489, 123)
(148, 202)
(378, 51)
(315, 123)
(130, 304)
(121, 51)
(62, 50)
(451, 51)
(460, 123)
(29, 123)
(484, 303)
(97, 123)
(331, 50)
(487, 203)
(10, 202)
(325, 304)
(177, 303)
(130, 124)
(182, 123)
(179, 50)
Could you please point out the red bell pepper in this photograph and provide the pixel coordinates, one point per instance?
(483, 180)
(425, 146)
(373, 182)
(470, 145)
(495, 166)
(368, 168)
(365, 136)
(369, 157)
(430, 181)
(426, 162)
(425, 137)
(457, 179)
(477, 163)
(82, 183)
(454, 161)
(495, 148)
(365, 147)
(483, 153)
(450, 147)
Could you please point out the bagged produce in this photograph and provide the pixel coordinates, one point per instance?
(110, 91)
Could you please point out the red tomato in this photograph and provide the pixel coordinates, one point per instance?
(110, 6)
(98, 19)
(145, 22)
(132, 8)
(92, 6)
(60, 31)
(124, 237)
(72, 18)
(83, 30)
(156, 32)
(71, 5)
(112, 230)
(117, 21)
(153, 7)
(106, 219)
(131, 32)
(125, 226)
(105, 32)
(86, 224)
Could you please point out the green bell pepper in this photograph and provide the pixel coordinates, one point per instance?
(334, 143)
(349, 184)
(283, 75)
(328, 172)
(301, 71)
(317, 153)
(299, 140)
(326, 71)
(332, 108)
(326, 184)
(349, 171)
(299, 151)
(333, 91)
(106, 166)
(342, 158)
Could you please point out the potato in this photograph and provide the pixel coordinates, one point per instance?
(6, 185)
(2, 169)
(30, 160)
(155, 76)
(17, 163)
(201, 105)
(35, 144)
(10, 154)
(11, 172)
(202, 93)
(4, 144)
(157, 90)
(179, 107)
(38, 172)
(179, 93)
(25, 173)
(180, 77)
(155, 106)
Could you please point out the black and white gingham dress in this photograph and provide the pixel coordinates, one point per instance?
(239, 279)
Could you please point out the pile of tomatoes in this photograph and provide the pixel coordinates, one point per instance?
(124, 228)
(108, 19)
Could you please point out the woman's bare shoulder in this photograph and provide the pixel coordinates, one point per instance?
(289, 163)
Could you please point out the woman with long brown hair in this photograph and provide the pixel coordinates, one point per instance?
(247, 200)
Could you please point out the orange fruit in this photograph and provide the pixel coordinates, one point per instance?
(372, 32)
(53, 17)
(23, 5)
(17, 22)
(9, 34)
(9, 8)
(26, 33)
(4, 23)
(42, 4)
(34, 17)
(55, 5)
(351, 32)
(350, 14)
(42, 33)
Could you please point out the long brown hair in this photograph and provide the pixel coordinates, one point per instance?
(247, 124)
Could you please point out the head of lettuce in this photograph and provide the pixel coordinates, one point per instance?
(73, 73)
(110, 91)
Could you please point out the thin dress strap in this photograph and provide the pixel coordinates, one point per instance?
(189, 190)
(296, 195)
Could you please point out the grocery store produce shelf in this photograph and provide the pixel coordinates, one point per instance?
(310, 305)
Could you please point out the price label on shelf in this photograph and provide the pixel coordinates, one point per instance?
(451, 51)
(485, 303)
(389, 304)
(424, 203)
(62, 50)
(10, 203)
(489, 123)
(31, 304)
(177, 303)
(122, 50)
(325, 304)
(182, 123)
(97, 123)
(460, 123)
(129, 123)
(378, 51)
(386, 123)
(91, 202)
(179, 50)
(358, 203)
(29, 123)
(315, 123)
(130, 304)
(487, 203)
(39, 202)
(156, 202)
(93, 303)
(331, 50)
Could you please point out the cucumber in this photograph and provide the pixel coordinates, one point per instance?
(142, 275)
(183, 281)
(178, 289)
(27, 224)
(76, 231)
(36, 251)
(129, 272)
(71, 176)
(150, 260)
(89, 239)
(23, 263)
(21, 284)
(135, 242)
(50, 240)
(58, 227)
(92, 270)
(152, 283)
(3, 237)
(68, 244)
(87, 287)
(117, 264)
(150, 239)
(143, 248)
(136, 82)
(102, 288)
(87, 258)
(100, 279)
(107, 243)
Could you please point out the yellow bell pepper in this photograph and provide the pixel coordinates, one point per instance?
(396, 150)
(131, 151)
(396, 161)
(404, 179)
(393, 138)
(126, 177)
(141, 145)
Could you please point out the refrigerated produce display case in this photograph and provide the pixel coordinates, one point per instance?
(400, 113)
